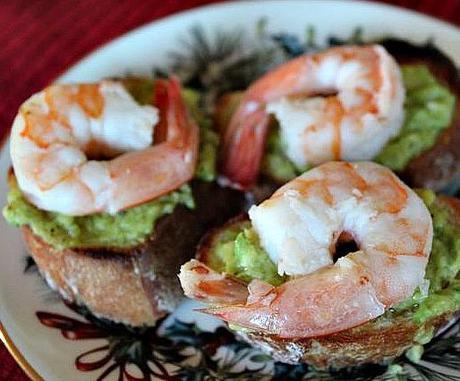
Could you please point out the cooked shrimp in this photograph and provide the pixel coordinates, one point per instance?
(344, 103)
(300, 226)
(201, 282)
(60, 134)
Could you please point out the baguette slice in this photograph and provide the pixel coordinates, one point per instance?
(136, 286)
(378, 341)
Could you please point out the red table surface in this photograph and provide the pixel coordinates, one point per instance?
(39, 39)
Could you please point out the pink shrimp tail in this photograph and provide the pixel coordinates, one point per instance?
(245, 138)
(256, 313)
(175, 124)
(166, 165)
(202, 283)
(244, 147)
(312, 305)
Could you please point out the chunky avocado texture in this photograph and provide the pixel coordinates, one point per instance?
(429, 108)
(443, 270)
(236, 251)
(122, 230)
(128, 228)
(276, 165)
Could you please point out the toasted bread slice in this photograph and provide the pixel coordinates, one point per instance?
(377, 341)
(136, 286)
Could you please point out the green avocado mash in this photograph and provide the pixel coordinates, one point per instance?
(128, 228)
(252, 261)
(209, 139)
(443, 270)
(123, 230)
(276, 164)
(429, 107)
(222, 257)
(237, 251)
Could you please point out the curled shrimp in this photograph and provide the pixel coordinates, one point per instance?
(341, 104)
(300, 226)
(84, 148)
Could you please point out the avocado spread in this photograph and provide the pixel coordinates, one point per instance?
(209, 139)
(276, 165)
(127, 228)
(122, 230)
(428, 108)
(237, 251)
(443, 270)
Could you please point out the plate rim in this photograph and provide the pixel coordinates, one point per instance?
(14, 351)
(231, 3)
(4, 336)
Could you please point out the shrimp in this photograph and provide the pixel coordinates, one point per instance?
(204, 283)
(344, 103)
(79, 149)
(300, 226)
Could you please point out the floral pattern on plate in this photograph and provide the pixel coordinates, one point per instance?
(183, 351)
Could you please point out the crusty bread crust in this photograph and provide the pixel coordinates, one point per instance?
(368, 343)
(109, 286)
(378, 341)
(137, 286)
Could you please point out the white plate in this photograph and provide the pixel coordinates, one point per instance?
(44, 351)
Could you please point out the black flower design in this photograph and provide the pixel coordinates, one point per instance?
(183, 351)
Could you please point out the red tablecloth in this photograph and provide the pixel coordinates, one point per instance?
(40, 38)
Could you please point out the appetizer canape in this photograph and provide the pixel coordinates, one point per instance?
(394, 104)
(112, 187)
(341, 266)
